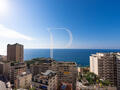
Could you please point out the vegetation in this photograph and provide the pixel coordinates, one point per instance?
(105, 83)
(14, 63)
(92, 79)
(38, 60)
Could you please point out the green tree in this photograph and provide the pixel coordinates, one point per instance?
(91, 78)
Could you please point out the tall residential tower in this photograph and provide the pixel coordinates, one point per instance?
(15, 52)
(107, 67)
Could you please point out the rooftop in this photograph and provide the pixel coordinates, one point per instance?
(24, 74)
(14, 44)
(48, 72)
(66, 63)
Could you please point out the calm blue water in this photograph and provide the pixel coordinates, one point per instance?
(80, 56)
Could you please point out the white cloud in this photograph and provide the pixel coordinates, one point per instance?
(12, 34)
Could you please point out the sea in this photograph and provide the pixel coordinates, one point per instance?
(80, 56)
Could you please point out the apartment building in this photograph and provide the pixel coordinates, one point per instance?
(15, 52)
(67, 73)
(118, 70)
(82, 70)
(45, 81)
(96, 63)
(40, 66)
(15, 70)
(106, 66)
(24, 80)
(4, 69)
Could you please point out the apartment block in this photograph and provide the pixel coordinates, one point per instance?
(82, 70)
(15, 52)
(40, 66)
(24, 80)
(4, 69)
(15, 70)
(107, 67)
(67, 73)
(45, 81)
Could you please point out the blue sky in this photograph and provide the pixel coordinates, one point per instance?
(93, 23)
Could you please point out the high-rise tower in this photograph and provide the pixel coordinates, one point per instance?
(15, 52)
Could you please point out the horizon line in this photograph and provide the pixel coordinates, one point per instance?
(72, 48)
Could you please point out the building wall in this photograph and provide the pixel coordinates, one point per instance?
(108, 67)
(94, 64)
(38, 68)
(4, 68)
(40, 81)
(67, 72)
(118, 72)
(1, 68)
(15, 52)
(14, 71)
(24, 81)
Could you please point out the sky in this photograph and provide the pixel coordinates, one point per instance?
(79, 24)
